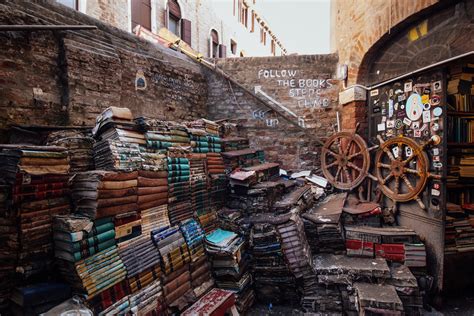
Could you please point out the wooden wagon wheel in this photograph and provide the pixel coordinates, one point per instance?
(401, 167)
(345, 160)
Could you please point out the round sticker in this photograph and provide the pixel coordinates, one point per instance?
(435, 127)
(437, 111)
(398, 124)
(414, 107)
(435, 100)
(425, 98)
(426, 106)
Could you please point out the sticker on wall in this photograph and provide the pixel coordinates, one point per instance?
(401, 97)
(407, 121)
(437, 86)
(437, 111)
(438, 164)
(398, 124)
(435, 127)
(435, 192)
(395, 151)
(140, 80)
(436, 158)
(390, 108)
(408, 86)
(417, 133)
(435, 100)
(414, 107)
(425, 98)
(390, 123)
(381, 127)
(390, 93)
(426, 106)
(376, 109)
(436, 151)
(408, 151)
(374, 93)
(389, 133)
(426, 116)
(415, 125)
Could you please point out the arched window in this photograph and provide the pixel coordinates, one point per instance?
(214, 44)
(174, 17)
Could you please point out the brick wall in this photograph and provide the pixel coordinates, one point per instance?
(57, 78)
(303, 84)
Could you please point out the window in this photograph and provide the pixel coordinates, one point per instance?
(141, 14)
(233, 47)
(244, 10)
(273, 47)
(174, 17)
(214, 53)
(73, 4)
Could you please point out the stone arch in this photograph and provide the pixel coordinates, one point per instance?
(436, 33)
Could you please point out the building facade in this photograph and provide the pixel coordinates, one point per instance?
(214, 28)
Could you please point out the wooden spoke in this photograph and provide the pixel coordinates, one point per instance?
(390, 175)
(389, 154)
(397, 185)
(346, 172)
(354, 155)
(413, 171)
(332, 153)
(400, 148)
(339, 168)
(332, 164)
(407, 182)
(384, 165)
(346, 152)
(353, 166)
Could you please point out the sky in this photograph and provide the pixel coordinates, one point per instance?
(301, 25)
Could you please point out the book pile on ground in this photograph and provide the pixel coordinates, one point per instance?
(242, 158)
(336, 274)
(118, 141)
(201, 279)
(79, 145)
(210, 127)
(199, 142)
(323, 224)
(273, 281)
(94, 274)
(38, 298)
(230, 266)
(179, 189)
(234, 143)
(208, 221)
(172, 247)
(198, 182)
(218, 180)
(153, 218)
(232, 220)
(466, 166)
(214, 143)
(127, 226)
(149, 300)
(77, 237)
(377, 299)
(152, 189)
(142, 262)
(179, 135)
(98, 194)
(407, 289)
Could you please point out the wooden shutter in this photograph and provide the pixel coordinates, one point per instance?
(222, 51)
(186, 30)
(141, 13)
(174, 9)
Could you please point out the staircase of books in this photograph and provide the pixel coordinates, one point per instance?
(146, 216)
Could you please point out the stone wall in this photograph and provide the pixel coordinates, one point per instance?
(305, 85)
(68, 78)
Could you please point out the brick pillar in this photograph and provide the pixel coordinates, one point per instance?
(354, 110)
